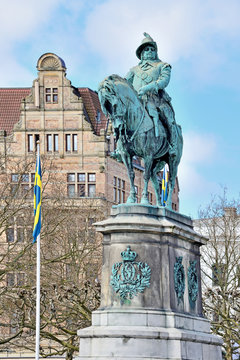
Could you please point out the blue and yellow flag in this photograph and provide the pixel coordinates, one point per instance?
(37, 200)
(164, 187)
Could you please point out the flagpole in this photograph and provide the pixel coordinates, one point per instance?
(38, 283)
(38, 301)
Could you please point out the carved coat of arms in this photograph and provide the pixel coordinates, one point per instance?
(130, 277)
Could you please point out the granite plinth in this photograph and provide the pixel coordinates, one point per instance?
(154, 324)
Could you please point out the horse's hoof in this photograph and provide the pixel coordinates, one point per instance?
(131, 200)
(145, 201)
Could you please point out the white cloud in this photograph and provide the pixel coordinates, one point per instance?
(84, 33)
(19, 21)
(198, 150)
(199, 153)
(186, 29)
(19, 18)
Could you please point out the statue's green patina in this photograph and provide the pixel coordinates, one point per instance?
(192, 283)
(130, 277)
(143, 119)
(179, 278)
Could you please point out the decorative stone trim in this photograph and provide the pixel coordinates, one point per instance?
(179, 278)
(192, 283)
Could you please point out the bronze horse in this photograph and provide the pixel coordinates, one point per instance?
(135, 136)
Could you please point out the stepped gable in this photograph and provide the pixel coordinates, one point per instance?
(93, 107)
(10, 101)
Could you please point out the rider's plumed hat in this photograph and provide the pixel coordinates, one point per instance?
(146, 41)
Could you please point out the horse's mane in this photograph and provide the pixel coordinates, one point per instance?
(115, 77)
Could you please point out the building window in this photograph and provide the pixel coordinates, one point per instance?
(91, 190)
(55, 95)
(118, 190)
(81, 185)
(49, 143)
(17, 229)
(32, 142)
(51, 95)
(20, 279)
(71, 185)
(10, 279)
(74, 142)
(136, 191)
(22, 184)
(10, 235)
(55, 142)
(68, 142)
(15, 279)
(52, 142)
(91, 177)
(150, 197)
(20, 234)
(71, 143)
(14, 184)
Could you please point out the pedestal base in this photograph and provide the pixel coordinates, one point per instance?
(149, 317)
(148, 335)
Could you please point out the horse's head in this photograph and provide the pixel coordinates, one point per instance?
(109, 93)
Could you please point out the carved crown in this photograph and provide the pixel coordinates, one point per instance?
(128, 255)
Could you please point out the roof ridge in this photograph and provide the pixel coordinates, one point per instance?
(87, 88)
(15, 88)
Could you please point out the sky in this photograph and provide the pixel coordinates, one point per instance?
(199, 38)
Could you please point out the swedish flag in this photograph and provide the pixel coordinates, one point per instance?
(164, 187)
(37, 200)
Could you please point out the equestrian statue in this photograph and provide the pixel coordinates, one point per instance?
(143, 120)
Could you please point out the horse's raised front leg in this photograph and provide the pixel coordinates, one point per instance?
(148, 161)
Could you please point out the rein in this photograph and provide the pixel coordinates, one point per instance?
(130, 139)
(139, 124)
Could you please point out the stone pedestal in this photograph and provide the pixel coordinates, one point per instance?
(151, 306)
